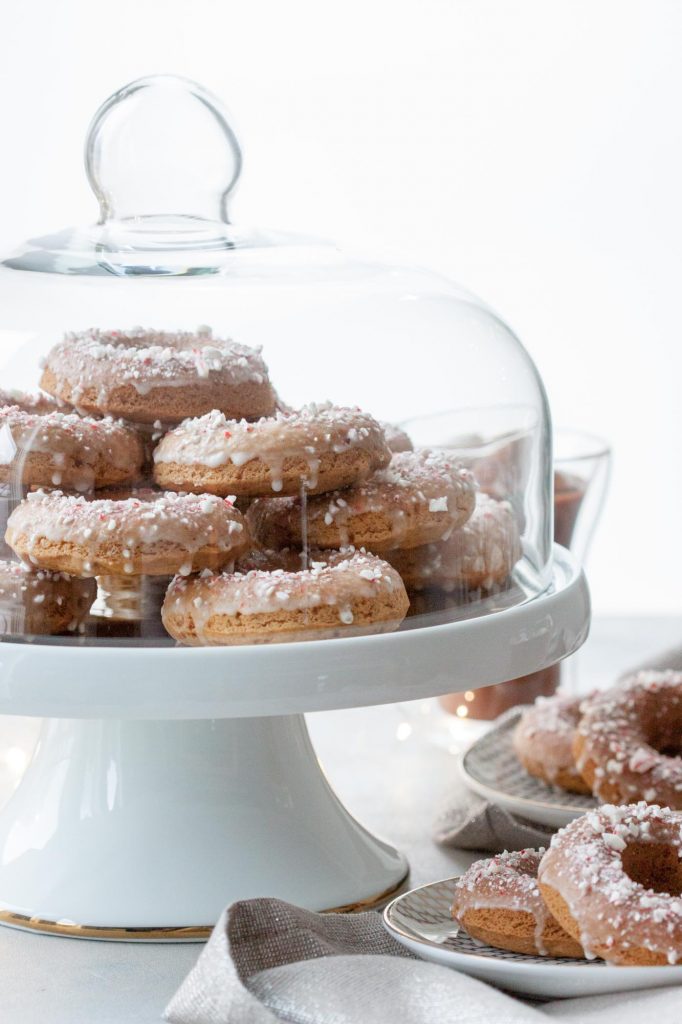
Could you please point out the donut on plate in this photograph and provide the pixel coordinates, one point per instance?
(543, 742)
(320, 447)
(613, 878)
(627, 745)
(349, 597)
(57, 449)
(37, 602)
(497, 901)
(149, 534)
(479, 555)
(146, 375)
(420, 497)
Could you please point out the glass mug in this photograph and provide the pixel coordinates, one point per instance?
(582, 464)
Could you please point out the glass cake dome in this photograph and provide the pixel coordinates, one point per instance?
(405, 450)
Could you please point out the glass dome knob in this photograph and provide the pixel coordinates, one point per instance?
(162, 148)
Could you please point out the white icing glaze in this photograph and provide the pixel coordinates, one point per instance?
(507, 881)
(584, 865)
(213, 440)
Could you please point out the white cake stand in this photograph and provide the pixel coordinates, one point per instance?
(168, 782)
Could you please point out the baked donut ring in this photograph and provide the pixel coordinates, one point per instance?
(321, 447)
(479, 555)
(543, 742)
(613, 878)
(57, 449)
(627, 745)
(145, 375)
(37, 403)
(349, 597)
(149, 534)
(420, 497)
(498, 902)
(38, 602)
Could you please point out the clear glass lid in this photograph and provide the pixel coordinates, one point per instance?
(217, 436)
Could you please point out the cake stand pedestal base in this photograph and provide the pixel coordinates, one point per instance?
(145, 830)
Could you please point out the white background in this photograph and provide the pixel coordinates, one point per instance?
(529, 148)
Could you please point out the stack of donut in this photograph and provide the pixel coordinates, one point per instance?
(609, 886)
(622, 744)
(162, 454)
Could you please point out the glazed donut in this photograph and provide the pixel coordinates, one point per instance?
(420, 497)
(37, 403)
(149, 534)
(64, 450)
(353, 596)
(321, 447)
(497, 901)
(479, 555)
(42, 602)
(145, 375)
(397, 439)
(543, 742)
(612, 880)
(627, 745)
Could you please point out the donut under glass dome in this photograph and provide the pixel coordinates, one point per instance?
(214, 440)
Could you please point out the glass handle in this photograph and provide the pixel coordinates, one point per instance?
(162, 148)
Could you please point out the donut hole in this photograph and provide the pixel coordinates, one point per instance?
(662, 726)
(654, 866)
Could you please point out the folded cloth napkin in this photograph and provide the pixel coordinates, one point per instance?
(269, 961)
(470, 822)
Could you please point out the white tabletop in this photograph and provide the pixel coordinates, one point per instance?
(387, 770)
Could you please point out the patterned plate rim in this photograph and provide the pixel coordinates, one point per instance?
(503, 729)
(529, 963)
(532, 963)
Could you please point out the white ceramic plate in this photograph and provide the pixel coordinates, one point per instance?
(491, 768)
(421, 921)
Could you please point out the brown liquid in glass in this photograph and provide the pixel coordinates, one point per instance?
(491, 701)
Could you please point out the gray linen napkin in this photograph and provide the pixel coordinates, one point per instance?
(268, 961)
(472, 823)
